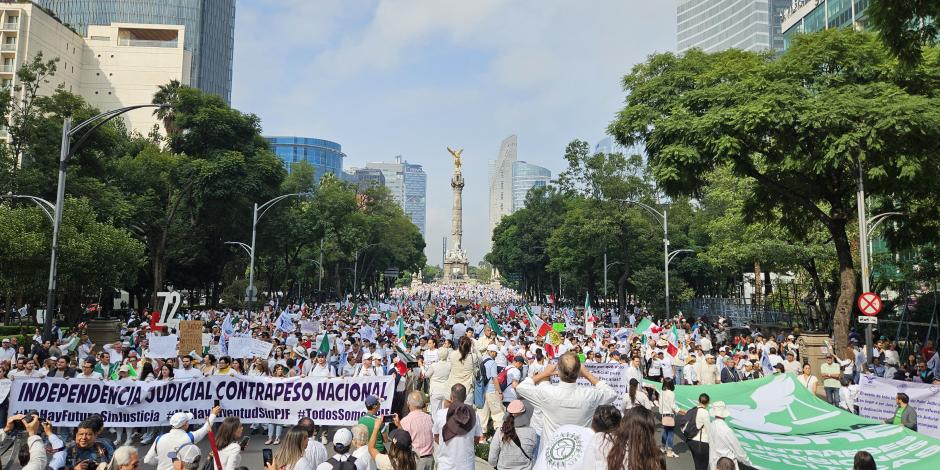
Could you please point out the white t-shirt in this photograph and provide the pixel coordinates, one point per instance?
(459, 453)
(570, 448)
(363, 459)
(509, 394)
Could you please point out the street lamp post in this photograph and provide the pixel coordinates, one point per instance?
(43, 204)
(356, 267)
(258, 212)
(663, 218)
(606, 266)
(66, 151)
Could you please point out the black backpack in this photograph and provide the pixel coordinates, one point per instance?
(686, 424)
(348, 464)
(481, 373)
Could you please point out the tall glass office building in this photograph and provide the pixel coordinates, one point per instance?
(209, 34)
(810, 16)
(324, 155)
(526, 176)
(716, 25)
(408, 185)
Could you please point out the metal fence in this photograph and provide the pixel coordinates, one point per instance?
(739, 312)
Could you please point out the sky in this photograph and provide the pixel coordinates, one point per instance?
(411, 77)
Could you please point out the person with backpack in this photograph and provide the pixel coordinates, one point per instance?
(694, 427)
(509, 379)
(342, 459)
(493, 404)
(178, 436)
(514, 444)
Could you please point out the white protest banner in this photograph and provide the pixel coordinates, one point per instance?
(877, 399)
(239, 347)
(309, 327)
(334, 402)
(260, 348)
(5, 385)
(611, 374)
(162, 347)
(206, 339)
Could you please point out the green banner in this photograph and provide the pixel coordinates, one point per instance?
(781, 425)
(559, 327)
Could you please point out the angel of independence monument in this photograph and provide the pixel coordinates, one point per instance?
(456, 265)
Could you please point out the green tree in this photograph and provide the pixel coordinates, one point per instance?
(906, 26)
(800, 126)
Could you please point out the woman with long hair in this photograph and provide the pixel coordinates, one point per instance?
(400, 455)
(228, 438)
(208, 365)
(636, 396)
(513, 445)
(668, 410)
(290, 454)
(462, 367)
(639, 425)
(164, 373)
(146, 372)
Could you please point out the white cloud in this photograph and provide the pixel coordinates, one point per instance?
(410, 77)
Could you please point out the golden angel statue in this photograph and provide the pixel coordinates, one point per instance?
(456, 154)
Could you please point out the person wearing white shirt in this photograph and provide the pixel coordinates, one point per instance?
(791, 365)
(7, 352)
(437, 375)
(566, 402)
(315, 453)
(721, 439)
(360, 444)
(706, 344)
(689, 375)
(366, 369)
(633, 371)
(178, 436)
(699, 443)
(431, 355)
(187, 371)
(513, 377)
(457, 452)
(636, 396)
(320, 368)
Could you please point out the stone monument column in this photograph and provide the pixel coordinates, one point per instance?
(456, 264)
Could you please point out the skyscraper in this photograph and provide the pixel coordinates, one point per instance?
(408, 185)
(210, 30)
(810, 16)
(526, 176)
(716, 25)
(500, 172)
(324, 155)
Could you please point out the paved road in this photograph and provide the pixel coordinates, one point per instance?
(251, 457)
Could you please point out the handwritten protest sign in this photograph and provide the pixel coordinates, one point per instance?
(162, 347)
(190, 336)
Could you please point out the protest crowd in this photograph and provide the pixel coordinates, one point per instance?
(470, 364)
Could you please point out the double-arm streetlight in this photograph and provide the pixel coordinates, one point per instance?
(662, 218)
(47, 207)
(66, 152)
(607, 266)
(251, 292)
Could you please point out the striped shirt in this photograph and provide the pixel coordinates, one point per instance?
(419, 424)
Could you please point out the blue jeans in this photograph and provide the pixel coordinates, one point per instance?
(832, 396)
(275, 431)
(668, 432)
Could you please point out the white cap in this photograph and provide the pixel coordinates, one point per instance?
(343, 437)
(179, 419)
(188, 453)
(493, 348)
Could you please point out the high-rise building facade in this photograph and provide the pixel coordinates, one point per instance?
(500, 175)
(325, 156)
(408, 184)
(209, 25)
(115, 65)
(526, 176)
(810, 16)
(716, 25)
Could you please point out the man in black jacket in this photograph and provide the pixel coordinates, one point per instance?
(730, 373)
(62, 369)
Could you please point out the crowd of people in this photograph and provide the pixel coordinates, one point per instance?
(474, 365)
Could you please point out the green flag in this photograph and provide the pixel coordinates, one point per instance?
(782, 425)
(324, 345)
(493, 325)
(401, 333)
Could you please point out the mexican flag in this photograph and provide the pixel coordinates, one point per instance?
(673, 338)
(644, 327)
(493, 325)
(550, 299)
(402, 342)
(539, 327)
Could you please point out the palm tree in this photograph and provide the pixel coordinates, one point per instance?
(167, 94)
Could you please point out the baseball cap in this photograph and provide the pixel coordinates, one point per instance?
(5, 340)
(492, 348)
(371, 401)
(400, 438)
(188, 453)
(518, 359)
(179, 419)
(124, 369)
(343, 437)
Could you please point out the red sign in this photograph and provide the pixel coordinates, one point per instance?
(869, 304)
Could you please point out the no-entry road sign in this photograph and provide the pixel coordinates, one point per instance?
(869, 304)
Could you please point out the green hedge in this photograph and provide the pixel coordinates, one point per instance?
(483, 450)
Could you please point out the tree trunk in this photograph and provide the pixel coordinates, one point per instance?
(758, 285)
(158, 269)
(818, 288)
(841, 318)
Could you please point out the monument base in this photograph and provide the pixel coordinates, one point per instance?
(456, 267)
